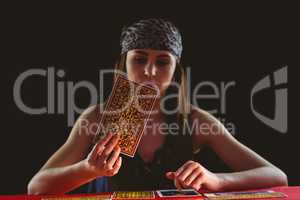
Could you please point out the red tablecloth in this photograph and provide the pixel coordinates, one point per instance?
(292, 192)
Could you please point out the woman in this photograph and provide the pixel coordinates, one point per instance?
(151, 51)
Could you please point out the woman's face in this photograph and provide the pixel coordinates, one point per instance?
(155, 67)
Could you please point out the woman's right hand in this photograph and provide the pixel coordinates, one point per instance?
(104, 159)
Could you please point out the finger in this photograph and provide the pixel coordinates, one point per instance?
(197, 183)
(94, 154)
(98, 148)
(118, 164)
(182, 168)
(192, 176)
(116, 167)
(105, 140)
(109, 147)
(170, 175)
(113, 157)
(177, 184)
(186, 172)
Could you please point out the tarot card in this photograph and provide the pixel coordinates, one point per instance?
(244, 195)
(126, 113)
(134, 195)
(178, 193)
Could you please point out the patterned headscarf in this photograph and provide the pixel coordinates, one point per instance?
(153, 33)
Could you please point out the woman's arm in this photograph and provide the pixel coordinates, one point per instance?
(58, 173)
(59, 180)
(251, 170)
(68, 168)
(259, 177)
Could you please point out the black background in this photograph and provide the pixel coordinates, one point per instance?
(222, 42)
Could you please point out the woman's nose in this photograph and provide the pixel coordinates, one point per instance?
(150, 70)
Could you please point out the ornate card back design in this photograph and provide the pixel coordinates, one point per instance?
(127, 112)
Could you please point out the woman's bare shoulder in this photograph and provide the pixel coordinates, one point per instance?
(92, 112)
(88, 122)
(78, 144)
(202, 116)
(205, 126)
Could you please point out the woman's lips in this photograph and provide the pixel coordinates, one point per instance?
(151, 83)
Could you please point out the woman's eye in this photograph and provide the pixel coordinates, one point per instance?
(140, 60)
(162, 62)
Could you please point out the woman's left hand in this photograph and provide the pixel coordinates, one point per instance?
(194, 175)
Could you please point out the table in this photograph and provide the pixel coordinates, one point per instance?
(292, 192)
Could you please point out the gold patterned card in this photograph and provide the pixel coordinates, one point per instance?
(126, 112)
(134, 195)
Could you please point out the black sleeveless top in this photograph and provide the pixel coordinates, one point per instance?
(136, 175)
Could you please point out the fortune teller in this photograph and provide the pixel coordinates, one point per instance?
(196, 158)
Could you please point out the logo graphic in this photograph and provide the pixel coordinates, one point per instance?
(280, 120)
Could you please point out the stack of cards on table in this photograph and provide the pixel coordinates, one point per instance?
(244, 195)
(179, 194)
(126, 112)
(134, 195)
(160, 194)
